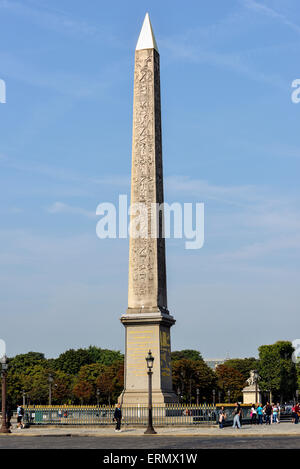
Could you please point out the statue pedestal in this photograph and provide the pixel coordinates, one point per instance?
(144, 332)
(249, 395)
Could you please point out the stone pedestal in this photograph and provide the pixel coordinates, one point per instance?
(149, 330)
(249, 395)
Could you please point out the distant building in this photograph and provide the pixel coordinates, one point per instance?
(214, 362)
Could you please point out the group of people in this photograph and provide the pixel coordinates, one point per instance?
(259, 414)
(237, 416)
(270, 413)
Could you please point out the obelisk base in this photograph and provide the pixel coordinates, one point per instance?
(147, 330)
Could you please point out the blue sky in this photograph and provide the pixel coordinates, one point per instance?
(230, 140)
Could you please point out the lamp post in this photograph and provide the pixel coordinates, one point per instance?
(197, 394)
(228, 392)
(214, 396)
(150, 359)
(24, 397)
(4, 428)
(50, 381)
(98, 396)
(178, 394)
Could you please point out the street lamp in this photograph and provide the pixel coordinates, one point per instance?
(178, 394)
(228, 392)
(4, 366)
(50, 381)
(98, 396)
(150, 359)
(214, 396)
(197, 394)
(24, 397)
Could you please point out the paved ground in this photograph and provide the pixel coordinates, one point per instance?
(285, 435)
(283, 429)
(149, 442)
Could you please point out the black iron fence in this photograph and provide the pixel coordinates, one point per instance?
(176, 415)
(103, 415)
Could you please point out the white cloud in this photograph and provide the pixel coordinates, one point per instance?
(271, 13)
(60, 207)
(50, 18)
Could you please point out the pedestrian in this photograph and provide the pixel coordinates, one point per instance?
(236, 416)
(253, 414)
(118, 417)
(279, 410)
(241, 415)
(268, 413)
(20, 414)
(275, 413)
(259, 411)
(295, 413)
(222, 417)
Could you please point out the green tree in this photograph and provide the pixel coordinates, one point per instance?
(277, 370)
(83, 391)
(243, 365)
(111, 382)
(62, 387)
(187, 354)
(188, 375)
(90, 374)
(18, 368)
(298, 373)
(229, 379)
(24, 361)
(104, 356)
(72, 360)
(35, 383)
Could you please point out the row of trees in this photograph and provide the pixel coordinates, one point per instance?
(95, 375)
(77, 376)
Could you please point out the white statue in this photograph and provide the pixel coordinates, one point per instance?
(253, 378)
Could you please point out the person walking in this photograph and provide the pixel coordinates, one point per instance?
(259, 411)
(236, 416)
(118, 417)
(279, 410)
(268, 413)
(241, 415)
(222, 417)
(275, 413)
(20, 414)
(296, 412)
(253, 414)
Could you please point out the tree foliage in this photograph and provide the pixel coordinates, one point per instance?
(111, 381)
(104, 356)
(188, 375)
(78, 373)
(230, 379)
(277, 370)
(72, 360)
(188, 354)
(243, 365)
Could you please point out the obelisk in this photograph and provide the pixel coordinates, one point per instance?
(147, 320)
